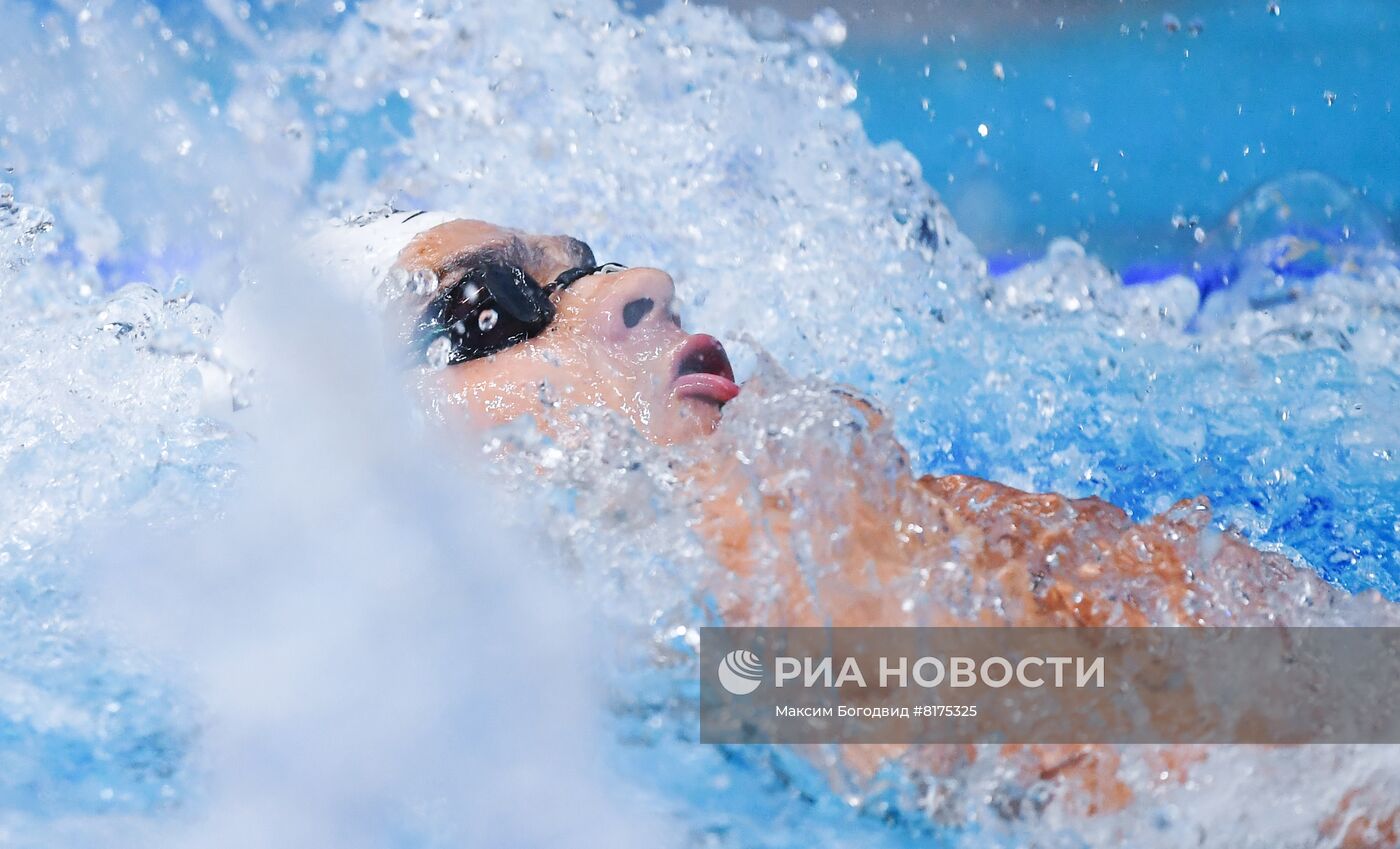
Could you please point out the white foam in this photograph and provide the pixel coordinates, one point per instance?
(265, 537)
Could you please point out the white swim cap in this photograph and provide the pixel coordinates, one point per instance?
(356, 254)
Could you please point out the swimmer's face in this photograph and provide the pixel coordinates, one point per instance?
(616, 339)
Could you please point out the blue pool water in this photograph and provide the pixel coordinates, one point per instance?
(245, 599)
(1105, 124)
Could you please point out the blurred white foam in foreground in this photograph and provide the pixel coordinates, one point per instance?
(372, 659)
(368, 641)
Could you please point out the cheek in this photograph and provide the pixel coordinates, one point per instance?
(506, 386)
(646, 365)
(580, 370)
(630, 374)
(643, 352)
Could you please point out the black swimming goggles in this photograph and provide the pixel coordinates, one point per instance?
(495, 305)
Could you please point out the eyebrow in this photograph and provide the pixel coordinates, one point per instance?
(475, 256)
(512, 252)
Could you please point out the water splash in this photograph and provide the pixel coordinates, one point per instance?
(637, 134)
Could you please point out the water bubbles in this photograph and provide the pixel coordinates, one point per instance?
(1170, 22)
(1273, 8)
(1306, 207)
(180, 290)
(439, 353)
(826, 29)
(998, 71)
(395, 283)
(1288, 234)
(132, 313)
(1329, 96)
(423, 282)
(1045, 335)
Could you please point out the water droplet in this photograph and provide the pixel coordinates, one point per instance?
(1273, 8)
(180, 289)
(424, 281)
(982, 130)
(395, 283)
(1196, 27)
(1330, 96)
(1171, 22)
(829, 28)
(998, 71)
(487, 320)
(439, 353)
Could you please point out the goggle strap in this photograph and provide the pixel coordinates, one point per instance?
(573, 275)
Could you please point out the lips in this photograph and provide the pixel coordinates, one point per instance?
(703, 371)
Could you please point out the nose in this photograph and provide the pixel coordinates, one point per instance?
(638, 298)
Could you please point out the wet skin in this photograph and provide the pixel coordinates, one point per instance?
(616, 340)
(617, 343)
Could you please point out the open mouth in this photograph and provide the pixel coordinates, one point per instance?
(703, 371)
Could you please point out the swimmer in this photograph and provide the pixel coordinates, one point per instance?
(535, 325)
